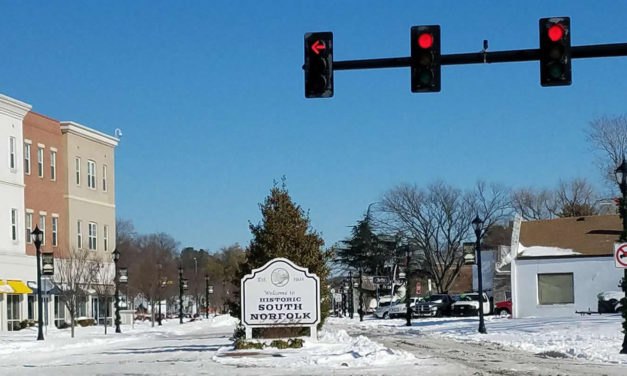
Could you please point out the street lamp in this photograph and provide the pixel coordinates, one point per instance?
(161, 286)
(116, 258)
(621, 178)
(351, 305)
(38, 237)
(180, 295)
(361, 296)
(476, 224)
(206, 296)
(407, 289)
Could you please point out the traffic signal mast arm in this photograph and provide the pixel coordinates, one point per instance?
(577, 52)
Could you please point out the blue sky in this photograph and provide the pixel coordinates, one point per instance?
(210, 98)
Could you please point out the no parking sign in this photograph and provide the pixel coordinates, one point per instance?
(620, 255)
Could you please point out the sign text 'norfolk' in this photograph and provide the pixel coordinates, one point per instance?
(280, 293)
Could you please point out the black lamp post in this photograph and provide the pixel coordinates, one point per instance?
(361, 296)
(351, 305)
(344, 292)
(116, 258)
(206, 296)
(38, 237)
(180, 295)
(161, 283)
(476, 224)
(621, 178)
(408, 290)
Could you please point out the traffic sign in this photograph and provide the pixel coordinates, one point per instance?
(620, 255)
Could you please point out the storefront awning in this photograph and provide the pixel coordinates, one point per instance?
(5, 289)
(19, 287)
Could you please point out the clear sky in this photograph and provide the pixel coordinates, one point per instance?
(210, 97)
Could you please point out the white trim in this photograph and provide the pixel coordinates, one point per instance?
(30, 211)
(89, 201)
(39, 145)
(53, 149)
(55, 215)
(19, 185)
(14, 108)
(92, 134)
(27, 141)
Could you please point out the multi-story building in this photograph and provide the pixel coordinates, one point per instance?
(58, 176)
(15, 267)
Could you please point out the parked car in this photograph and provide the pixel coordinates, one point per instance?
(435, 305)
(609, 301)
(468, 305)
(383, 310)
(400, 309)
(504, 308)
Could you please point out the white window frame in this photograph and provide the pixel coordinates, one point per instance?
(42, 227)
(14, 221)
(27, 158)
(55, 230)
(104, 178)
(91, 174)
(79, 234)
(40, 161)
(29, 226)
(77, 167)
(105, 236)
(53, 164)
(93, 236)
(12, 154)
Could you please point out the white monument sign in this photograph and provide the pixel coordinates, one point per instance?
(280, 294)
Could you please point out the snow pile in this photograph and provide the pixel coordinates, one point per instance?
(334, 349)
(536, 251)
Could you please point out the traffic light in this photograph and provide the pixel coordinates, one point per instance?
(555, 69)
(425, 58)
(319, 65)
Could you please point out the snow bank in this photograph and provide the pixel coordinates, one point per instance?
(334, 349)
(545, 251)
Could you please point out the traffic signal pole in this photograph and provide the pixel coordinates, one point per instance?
(507, 56)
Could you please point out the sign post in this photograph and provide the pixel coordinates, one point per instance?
(620, 255)
(280, 294)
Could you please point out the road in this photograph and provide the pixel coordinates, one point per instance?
(482, 358)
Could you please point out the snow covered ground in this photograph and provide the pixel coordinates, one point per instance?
(204, 347)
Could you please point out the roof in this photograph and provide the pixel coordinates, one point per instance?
(590, 235)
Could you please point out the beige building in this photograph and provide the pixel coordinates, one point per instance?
(90, 187)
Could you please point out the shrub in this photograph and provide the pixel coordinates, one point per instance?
(279, 344)
(239, 332)
(86, 322)
(63, 325)
(31, 322)
(240, 344)
(295, 343)
(23, 324)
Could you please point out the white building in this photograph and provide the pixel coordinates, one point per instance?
(558, 266)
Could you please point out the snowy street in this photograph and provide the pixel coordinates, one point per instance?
(445, 346)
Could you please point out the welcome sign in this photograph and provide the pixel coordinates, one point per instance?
(280, 293)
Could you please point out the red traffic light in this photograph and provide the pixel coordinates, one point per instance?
(556, 32)
(425, 40)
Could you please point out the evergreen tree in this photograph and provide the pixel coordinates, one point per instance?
(365, 249)
(284, 231)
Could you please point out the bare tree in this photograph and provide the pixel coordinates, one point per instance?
(575, 198)
(74, 276)
(437, 220)
(104, 285)
(534, 204)
(608, 137)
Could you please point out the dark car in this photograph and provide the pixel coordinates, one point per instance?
(436, 305)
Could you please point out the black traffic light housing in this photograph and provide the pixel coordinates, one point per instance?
(425, 58)
(555, 57)
(318, 65)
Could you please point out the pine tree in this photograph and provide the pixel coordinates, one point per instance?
(285, 232)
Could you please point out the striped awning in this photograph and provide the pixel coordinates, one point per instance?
(19, 287)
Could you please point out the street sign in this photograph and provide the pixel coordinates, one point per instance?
(210, 289)
(123, 276)
(620, 255)
(47, 267)
(380, 280)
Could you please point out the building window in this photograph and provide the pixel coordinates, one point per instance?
(77, 164)
(79, 234)
(92, 235)
(55, 235)
(12, 156)
(40, 161)
(13, 312)
(91, 174)
(42, 227)
(556, 288)
(105, 236)
(27, 159)
(14, 225)
(104, 178)
(29, 227)
(53, 165)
